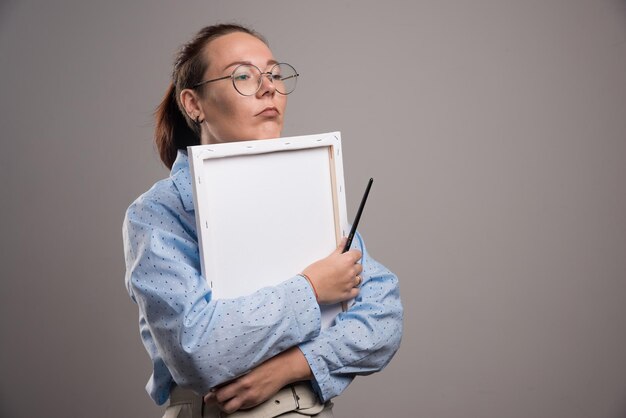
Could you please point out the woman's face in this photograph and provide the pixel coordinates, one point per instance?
(228, 115)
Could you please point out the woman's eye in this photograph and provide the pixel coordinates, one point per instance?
(242, 77)
(277, 77)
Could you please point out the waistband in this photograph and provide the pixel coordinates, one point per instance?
(295, 397)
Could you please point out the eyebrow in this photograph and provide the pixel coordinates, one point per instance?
(269, 62)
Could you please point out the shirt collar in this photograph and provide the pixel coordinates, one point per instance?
(181, 176)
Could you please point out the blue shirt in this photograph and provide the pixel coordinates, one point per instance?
(197, 341)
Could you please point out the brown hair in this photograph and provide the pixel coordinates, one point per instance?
(174, 129)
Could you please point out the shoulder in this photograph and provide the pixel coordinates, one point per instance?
(156, 218)
(161, 200)
(162, 208)
(167, 207)
(172, 194)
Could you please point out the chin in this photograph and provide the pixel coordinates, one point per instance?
(268, 134)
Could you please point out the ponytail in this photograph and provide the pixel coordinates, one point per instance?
(172, 131)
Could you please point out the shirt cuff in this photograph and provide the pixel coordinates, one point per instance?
(302, 302)
(321, 375)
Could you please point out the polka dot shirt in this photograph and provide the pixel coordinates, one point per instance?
(197, 341)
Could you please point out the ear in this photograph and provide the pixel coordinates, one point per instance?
(191, 103)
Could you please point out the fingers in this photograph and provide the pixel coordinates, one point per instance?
(334, 277)
(355, 270)
(225, 400)
(358, 269)
(358, 281)
(240, 393)
(341, 245)
(354, 293)
(229, 391)
(209, 398)
(355, 255)
(232, 405)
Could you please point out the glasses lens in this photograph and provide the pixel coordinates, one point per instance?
(284, 77)
(246, 79)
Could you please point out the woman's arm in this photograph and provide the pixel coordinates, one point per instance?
(364, 338)
(204, 342)
(362, 341)
(262, 382)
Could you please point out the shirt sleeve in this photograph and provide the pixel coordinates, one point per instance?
(364, 338)
(205, 341)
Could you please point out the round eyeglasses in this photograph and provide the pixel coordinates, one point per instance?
(247, 78)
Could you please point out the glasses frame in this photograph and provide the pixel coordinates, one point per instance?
(268, 74)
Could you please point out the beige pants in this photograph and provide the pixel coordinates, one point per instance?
(297, 400)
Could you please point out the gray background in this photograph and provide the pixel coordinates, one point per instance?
(496, 131)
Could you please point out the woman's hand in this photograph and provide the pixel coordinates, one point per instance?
(335, 277)
(262, 382)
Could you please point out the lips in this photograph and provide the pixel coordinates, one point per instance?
(269, 112)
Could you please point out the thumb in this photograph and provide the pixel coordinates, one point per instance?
(342, 244)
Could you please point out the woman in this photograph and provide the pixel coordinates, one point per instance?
(226, 87)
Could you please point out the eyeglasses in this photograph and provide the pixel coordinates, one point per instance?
(247, 78)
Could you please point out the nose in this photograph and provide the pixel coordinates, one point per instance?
(267, 86)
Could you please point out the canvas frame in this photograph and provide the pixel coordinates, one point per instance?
(239, 186)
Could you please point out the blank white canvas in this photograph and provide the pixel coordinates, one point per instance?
(263, 217)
